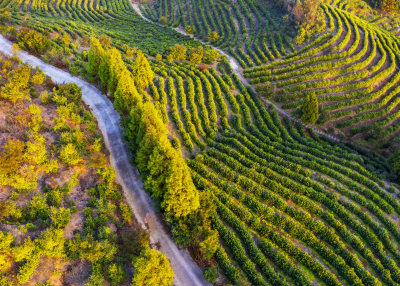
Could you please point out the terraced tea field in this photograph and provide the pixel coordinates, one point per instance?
(248, 30)
(114, 18)
(353, 70)
(291, 207)
(352, 66)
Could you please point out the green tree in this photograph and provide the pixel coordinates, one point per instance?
(166, 173)
(96, 278)
(116, 66)
(38, 208)
(142, 72)
(71, 91)
(51, 242)
(110, 69)
(157, 165)
(181, 197)
(152, 268)
(24, 250)
(210, 245)
(54, 197)
(211, 274)
(126, 213)
(394, 162)
(95, 55)
(310, 109)
(104, 69)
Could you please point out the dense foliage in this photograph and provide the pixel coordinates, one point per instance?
(353, 70)
(386, 5)
(152, 268)
(257, 198)
(59, 205)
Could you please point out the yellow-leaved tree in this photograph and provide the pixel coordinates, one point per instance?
(142, 72)
(152, 268)
(126, 95)
(166, 174)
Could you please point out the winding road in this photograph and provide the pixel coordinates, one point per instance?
(237, 70)
(186, 270)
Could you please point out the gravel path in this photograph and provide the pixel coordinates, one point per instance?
(186, 270)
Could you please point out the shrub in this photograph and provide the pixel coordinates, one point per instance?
(38, 78)
(54, 197)
(71, 91)
(16, 87)
(189, 30)
(33, 41)
(210, 56)
(195, 55)
(38, 208)
(91, 250)
(69, 155)
(211, 274)
(126, 212)
(213, 36)
(115, 274)
(59, 218)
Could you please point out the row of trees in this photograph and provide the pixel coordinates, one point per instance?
(194, 55)
(257, 179)
(165, 172)
(228, 161)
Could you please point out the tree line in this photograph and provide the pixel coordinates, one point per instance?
(163, 169)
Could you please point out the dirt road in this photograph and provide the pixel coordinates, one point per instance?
(186, 270)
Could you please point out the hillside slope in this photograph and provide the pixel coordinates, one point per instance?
(287, 206)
